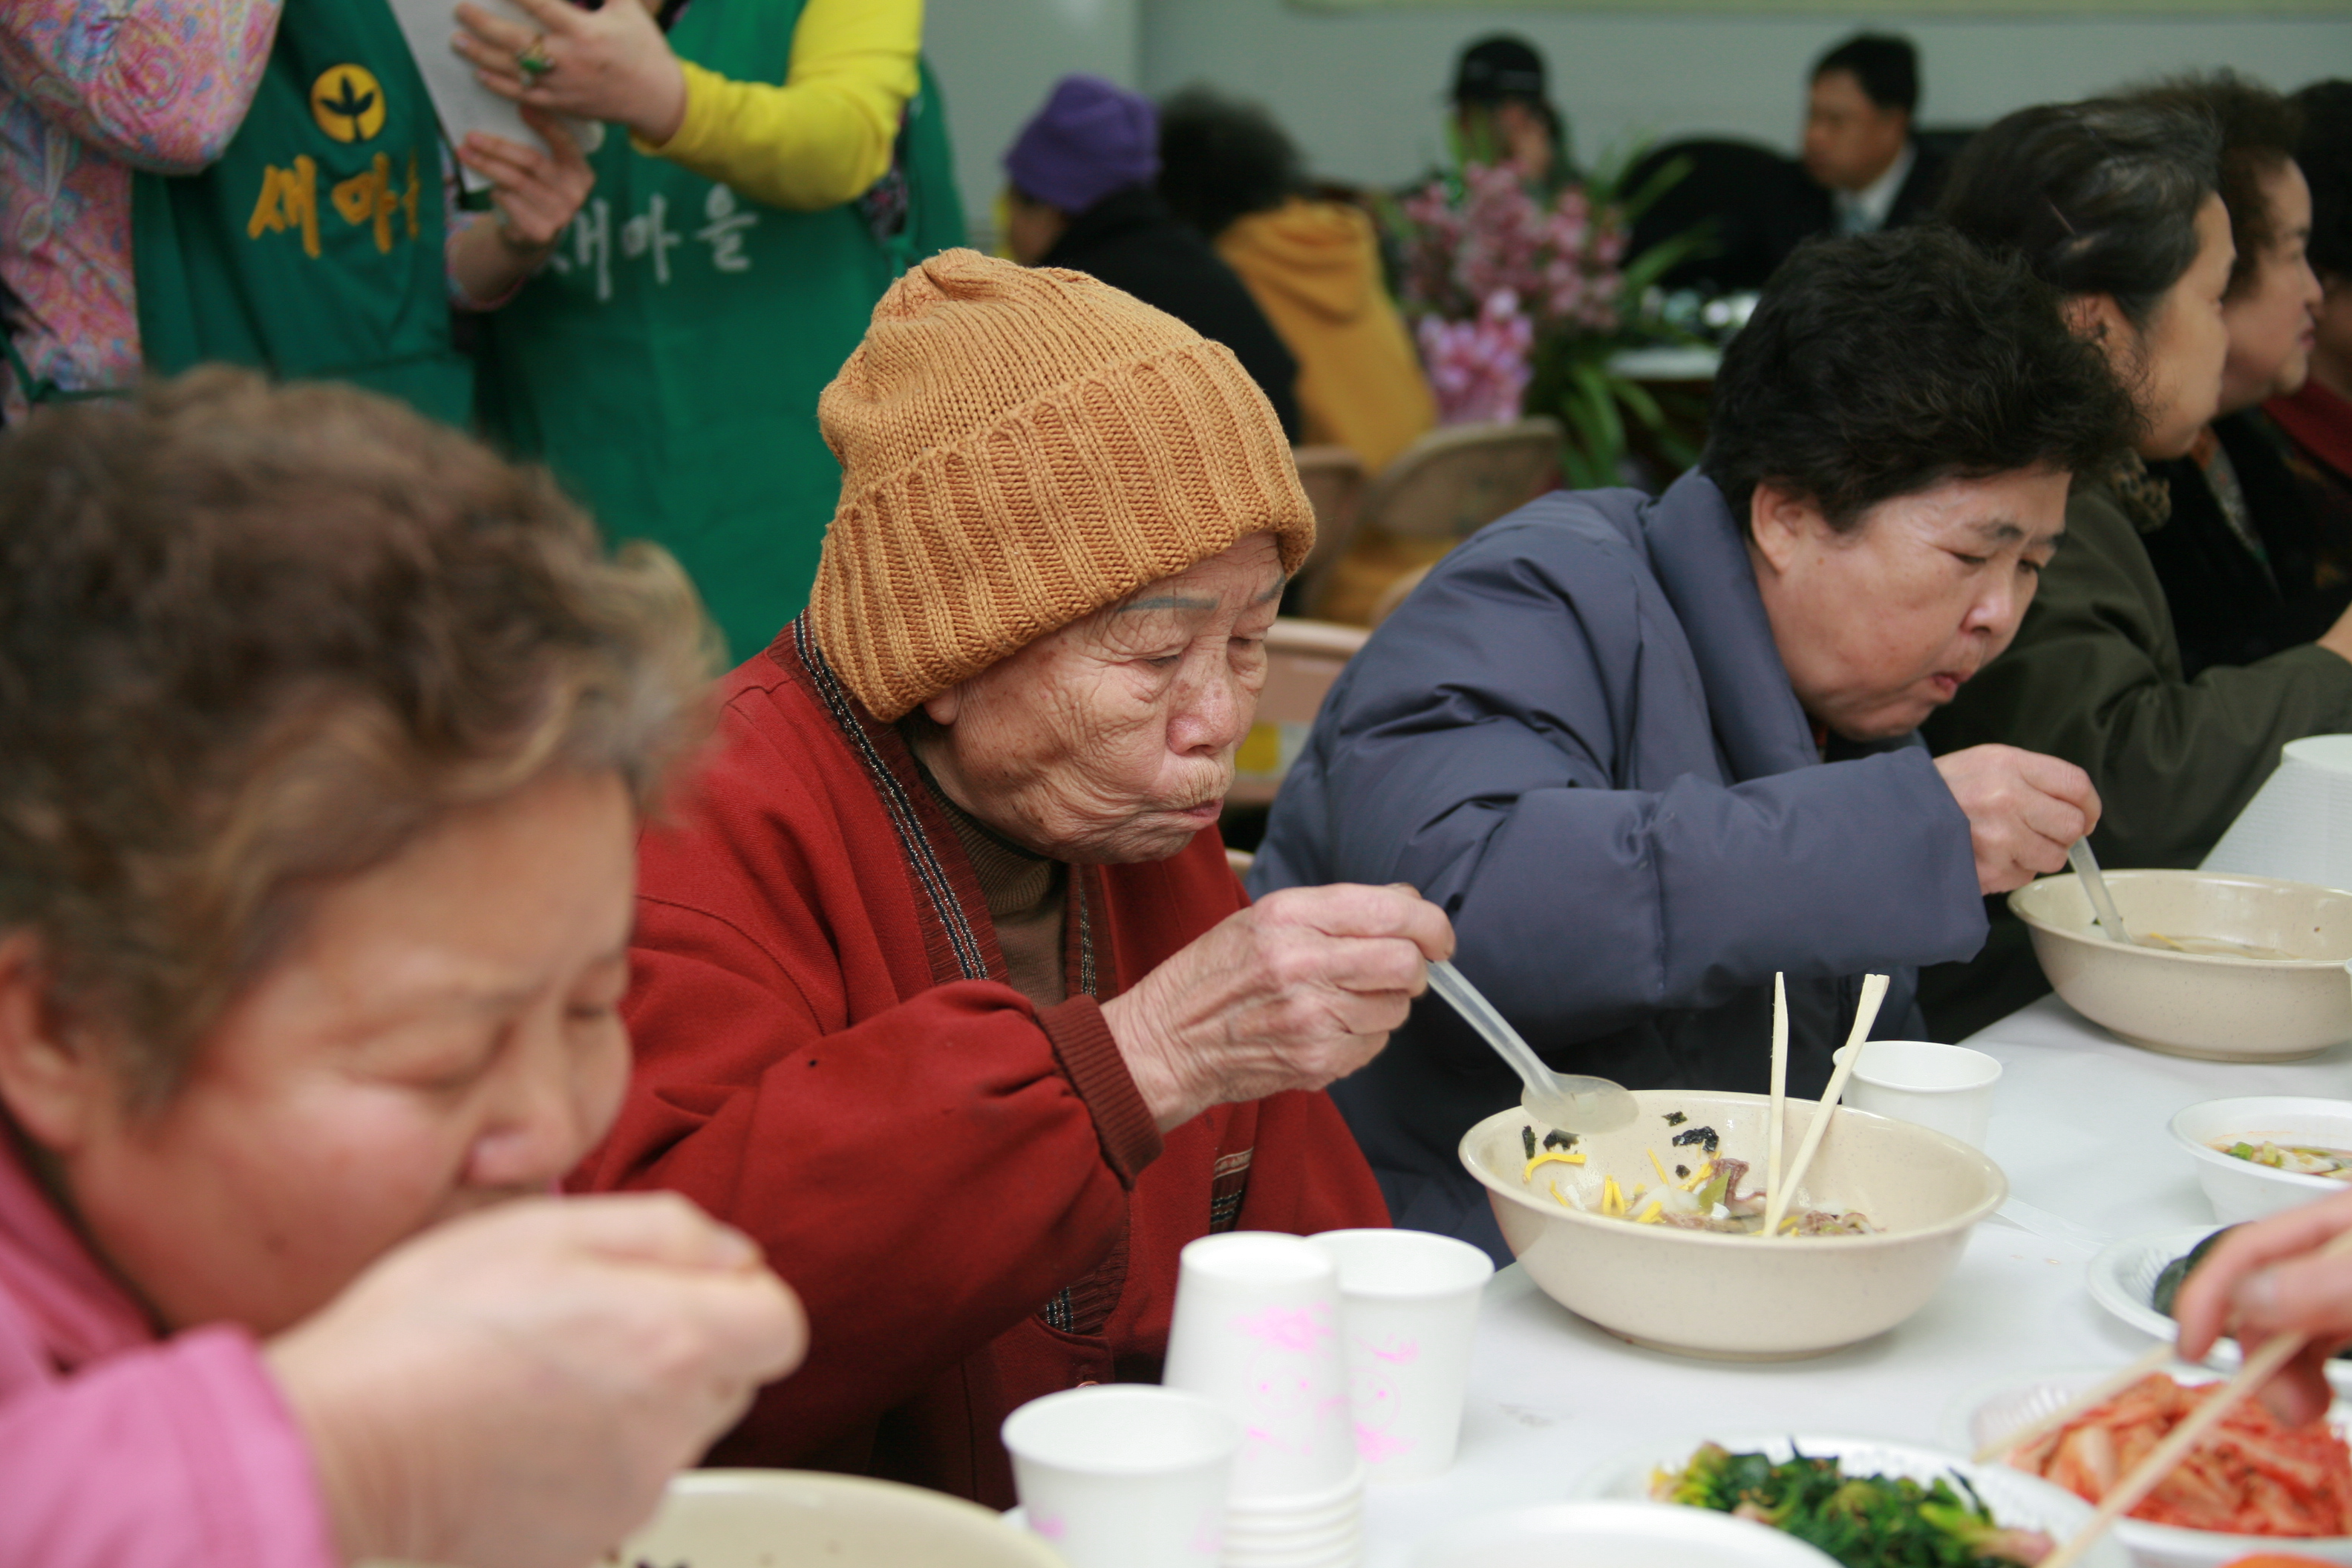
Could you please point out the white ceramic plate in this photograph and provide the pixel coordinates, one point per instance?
(2017, 1500)
(2122, 1280)
(2154, 1545)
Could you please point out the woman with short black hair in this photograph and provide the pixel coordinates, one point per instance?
(1648, 753)
(2116, 205)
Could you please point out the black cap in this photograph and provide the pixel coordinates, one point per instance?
(1497, 68)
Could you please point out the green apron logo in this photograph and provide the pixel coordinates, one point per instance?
(347, 103)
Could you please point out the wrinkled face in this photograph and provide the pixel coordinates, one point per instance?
(1112, 740)
(2174, 366)
(2273, 322)
(1850, 141)
(444, 1035)
(1878, 626)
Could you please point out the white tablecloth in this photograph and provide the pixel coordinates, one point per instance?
(2079, 1126)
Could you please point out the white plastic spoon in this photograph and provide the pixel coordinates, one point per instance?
(1568, 1101)
(2103, 903)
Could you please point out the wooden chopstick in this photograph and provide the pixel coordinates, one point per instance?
(2259, 1368)
(2099, 1393)
(1873, 993)
(1780, 1086)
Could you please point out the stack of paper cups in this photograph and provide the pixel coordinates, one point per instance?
(2299, 825)
(1256, 1329)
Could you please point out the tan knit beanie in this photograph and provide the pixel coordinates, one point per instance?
(1019, 448)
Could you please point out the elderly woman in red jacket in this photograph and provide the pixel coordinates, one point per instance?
(944, 991)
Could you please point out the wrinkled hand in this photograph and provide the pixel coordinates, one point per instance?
(1296, 991)
(2023, 809)
(2268, 1278)
(610, 64)
(513, 1389)
(536, 189)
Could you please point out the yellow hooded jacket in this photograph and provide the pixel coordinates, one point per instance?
(1314, 268)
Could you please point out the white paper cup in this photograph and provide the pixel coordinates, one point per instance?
(1408, 1302)
(1947, 1088)
(1256, 1329)
(1125, 1476)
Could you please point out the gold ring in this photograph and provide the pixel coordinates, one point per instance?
(532, 62)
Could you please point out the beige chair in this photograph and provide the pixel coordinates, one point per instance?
(1302, 659)
(1334, 478)
(1458, 478)
(1440, 491)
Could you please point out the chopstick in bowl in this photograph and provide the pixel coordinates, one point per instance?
(1777, 1198)
(1779, 1087)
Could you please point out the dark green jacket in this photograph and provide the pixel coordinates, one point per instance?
(2094, 676)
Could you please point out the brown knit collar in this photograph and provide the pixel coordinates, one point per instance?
(1013, 882)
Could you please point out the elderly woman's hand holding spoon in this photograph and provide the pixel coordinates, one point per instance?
(1298, 990)
(2024, 810)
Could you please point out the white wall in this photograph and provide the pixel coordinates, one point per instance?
(1361, 91)
(996, 58)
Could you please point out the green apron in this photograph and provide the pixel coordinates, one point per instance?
(667, 363)
(314, 248)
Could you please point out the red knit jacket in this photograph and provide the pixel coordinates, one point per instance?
(967, 1191)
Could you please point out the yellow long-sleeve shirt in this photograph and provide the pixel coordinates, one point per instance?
(822, 137)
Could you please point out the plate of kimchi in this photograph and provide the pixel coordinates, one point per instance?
(2252, 1486)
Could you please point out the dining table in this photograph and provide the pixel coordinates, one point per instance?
(2081, 1127)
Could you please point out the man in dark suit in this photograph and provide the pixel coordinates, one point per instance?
(1858, 143)
(1863, 170)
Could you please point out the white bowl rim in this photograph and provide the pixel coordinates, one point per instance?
(1677, 1236)
(2229, 878)
(2173, 1540)
(2199, 1149)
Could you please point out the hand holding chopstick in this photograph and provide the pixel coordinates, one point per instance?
(2260, 1366)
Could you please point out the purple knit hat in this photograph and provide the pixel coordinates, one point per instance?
(1091, 139)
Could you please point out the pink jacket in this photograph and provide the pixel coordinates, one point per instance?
(121, 1450)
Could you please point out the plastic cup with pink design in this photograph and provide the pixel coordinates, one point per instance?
(1125, 1475)
(1408, 1308)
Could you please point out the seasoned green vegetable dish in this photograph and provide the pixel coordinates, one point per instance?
(1863, 1522)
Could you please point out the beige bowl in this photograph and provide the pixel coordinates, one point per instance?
(2192, 1005)
(1741, 1297)
(788, 1519)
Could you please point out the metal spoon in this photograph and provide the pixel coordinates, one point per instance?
(2103, 903)
(1568, 1101)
